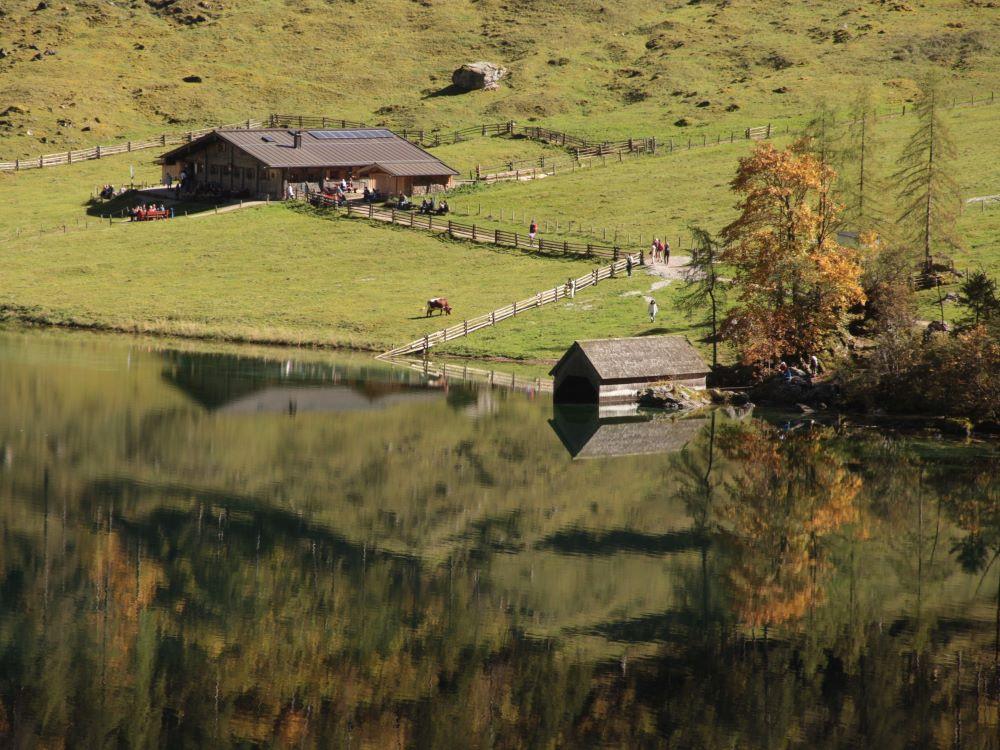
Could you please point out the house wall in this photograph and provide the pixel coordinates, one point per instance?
(619, 392)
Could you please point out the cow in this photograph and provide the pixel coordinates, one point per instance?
(438, 303)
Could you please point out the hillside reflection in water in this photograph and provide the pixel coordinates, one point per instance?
(300, 550)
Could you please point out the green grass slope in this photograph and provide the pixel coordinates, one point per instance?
(268, 274)
(609, 68)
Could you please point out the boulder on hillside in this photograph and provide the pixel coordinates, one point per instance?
(478, 75)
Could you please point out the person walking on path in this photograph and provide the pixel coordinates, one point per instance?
(666, 253)
(628, 265)
(653, 309)
(532, 230)
(655, 250)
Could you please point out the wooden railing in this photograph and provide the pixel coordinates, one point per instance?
(97, 152)
(457, 230)
(449, 371)
(547, 296)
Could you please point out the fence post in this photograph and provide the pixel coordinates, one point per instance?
(473, 232)
(348, 205)
(515, 308)
(393, 215)
(642, 257)
(516, 240)
(97, 150)
(41, 161)
(371, 210)
(565, 247)
(411, 218)
(69, 157)
(496, 236)
(768, 131)
(426, 343)
(449, 228)
(493, 317)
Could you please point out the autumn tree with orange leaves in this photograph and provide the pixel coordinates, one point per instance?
(794, 281)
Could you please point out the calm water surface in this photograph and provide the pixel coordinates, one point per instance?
(215, 549)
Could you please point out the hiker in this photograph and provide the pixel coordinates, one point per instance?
(532, 230)
(628, 265)
(655, 249)
(666, 253)
(814, 365)
(291, 192)
(653, 309)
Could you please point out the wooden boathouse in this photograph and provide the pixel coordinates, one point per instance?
(613, 371)
(265, 161)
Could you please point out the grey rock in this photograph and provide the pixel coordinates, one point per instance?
(478, 75)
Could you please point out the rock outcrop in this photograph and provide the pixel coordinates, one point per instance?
(478, 75)
(799, 390)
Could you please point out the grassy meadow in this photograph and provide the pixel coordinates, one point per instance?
(598, 70)
(625, 68)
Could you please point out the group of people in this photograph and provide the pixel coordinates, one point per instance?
(370, 195)
(142, 212)
(108, 192)
(660, 250)
(810, 365)
(427, 207)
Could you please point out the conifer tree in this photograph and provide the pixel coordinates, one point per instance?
(862, 185)
(928, 192)
(703, 286)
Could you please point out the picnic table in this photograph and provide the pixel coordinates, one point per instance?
(151, 214)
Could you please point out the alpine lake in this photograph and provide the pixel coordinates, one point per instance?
(263, 548)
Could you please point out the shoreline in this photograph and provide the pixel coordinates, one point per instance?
(10, 315)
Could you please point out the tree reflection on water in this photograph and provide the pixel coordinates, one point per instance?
(433, 574)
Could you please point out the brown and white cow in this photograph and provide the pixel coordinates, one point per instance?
(440, 304)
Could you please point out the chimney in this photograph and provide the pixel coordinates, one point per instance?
(297, 139)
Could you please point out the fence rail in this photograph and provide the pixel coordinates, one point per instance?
(477, 375)
(96, 152)
(487, 235)
(490, 319)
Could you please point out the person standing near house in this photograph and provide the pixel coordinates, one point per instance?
(291, 192)
(170, 180)
(628, 265)
(532, 230)
(653, 309)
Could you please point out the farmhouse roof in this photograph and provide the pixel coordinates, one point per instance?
(638, 358)
(275, 148)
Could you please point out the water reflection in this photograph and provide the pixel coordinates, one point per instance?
(439, 572)
(588, 433)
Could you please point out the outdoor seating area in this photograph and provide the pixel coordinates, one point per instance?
(150, 213)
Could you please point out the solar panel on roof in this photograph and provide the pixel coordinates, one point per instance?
(345, 134)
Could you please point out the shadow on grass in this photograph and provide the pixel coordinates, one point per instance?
(450, 90)
(661, 331)
(120, 205)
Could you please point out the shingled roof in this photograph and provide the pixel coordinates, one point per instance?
(639, 358)
(275, 148)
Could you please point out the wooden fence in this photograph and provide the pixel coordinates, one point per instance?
(449, 371)
(471, 325)
(456, 230)
(96, 152)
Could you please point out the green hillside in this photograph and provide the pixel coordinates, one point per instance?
(608, 68)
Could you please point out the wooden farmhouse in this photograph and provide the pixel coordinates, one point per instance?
(265, 161)
(613, 371)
